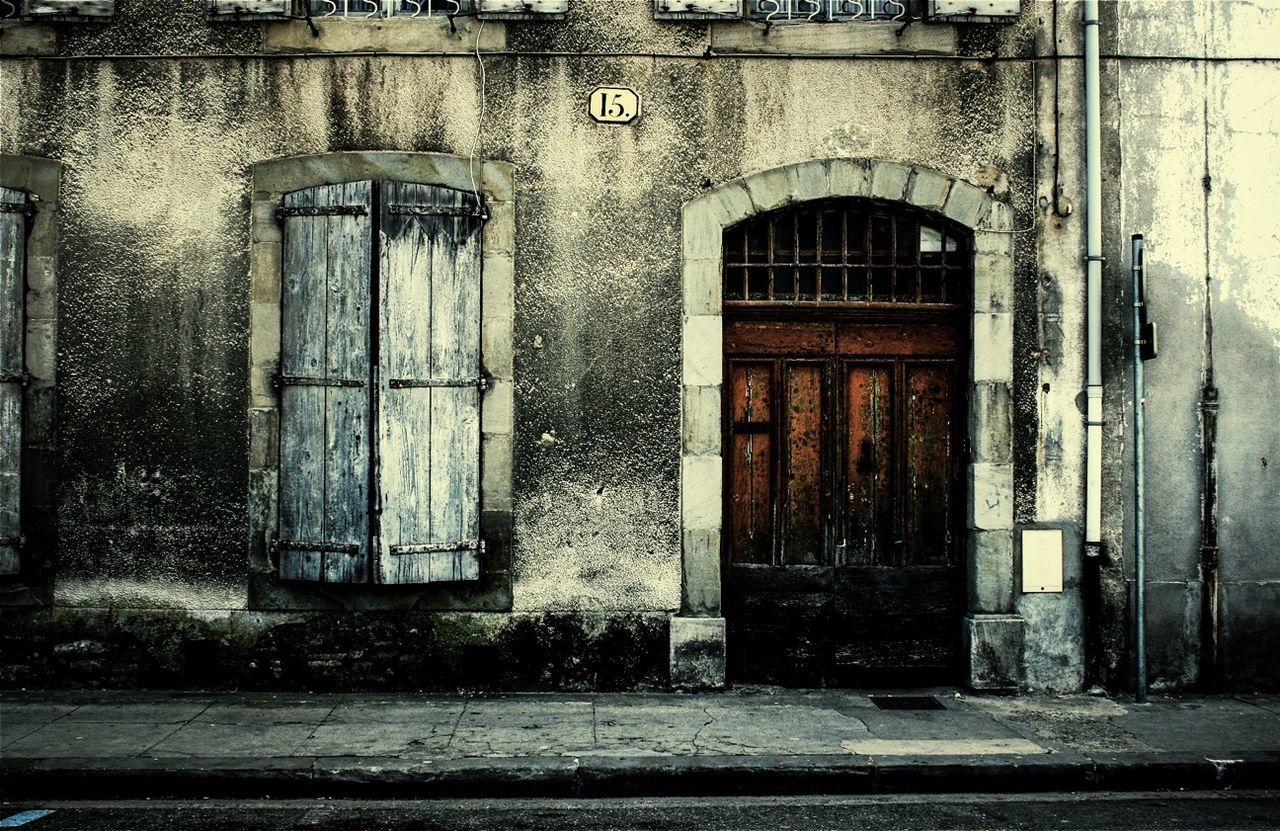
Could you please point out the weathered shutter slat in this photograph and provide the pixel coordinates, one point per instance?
(324, 427)
(12, 290)
(429, 432)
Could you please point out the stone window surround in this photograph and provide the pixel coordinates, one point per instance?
(495, 181)
(698, 632)
(41, 179)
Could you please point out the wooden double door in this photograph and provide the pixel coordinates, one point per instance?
(844, 500)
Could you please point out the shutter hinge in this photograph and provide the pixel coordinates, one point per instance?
(329, 210)
(28, 209)
(281, 381)
(22, 378)
(318, 546)
(428, 548)
(18, 542)
(438, 210)
(480, 383)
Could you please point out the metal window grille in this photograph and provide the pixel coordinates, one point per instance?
(849, 252)
(389, 8)
(826, 11)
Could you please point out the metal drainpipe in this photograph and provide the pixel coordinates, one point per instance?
(1093, 260)
(1210, 585)
(1139, 482)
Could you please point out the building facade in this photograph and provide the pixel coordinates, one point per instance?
(632, 344)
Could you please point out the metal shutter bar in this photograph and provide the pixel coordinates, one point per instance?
(481, 384)
(324, 210)
(298, 381)
(427, 548)
(318, 546)
(28, 208)
(21, 378)
(438, 210)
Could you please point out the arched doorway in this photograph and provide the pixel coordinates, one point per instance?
(844, 404)
(992, 634)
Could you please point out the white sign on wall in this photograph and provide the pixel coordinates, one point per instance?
(614, 105)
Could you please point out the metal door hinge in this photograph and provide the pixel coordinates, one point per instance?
(22, 378)
(18, 542)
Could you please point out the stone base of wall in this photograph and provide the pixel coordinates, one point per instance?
(993, 646)
(322, 651)
(697, 653)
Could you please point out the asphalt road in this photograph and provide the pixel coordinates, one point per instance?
(1096, 811)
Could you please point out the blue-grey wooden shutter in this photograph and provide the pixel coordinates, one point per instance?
(69, 9)
(429, 385)
(325, 384)
(249, 9)
(13, 258)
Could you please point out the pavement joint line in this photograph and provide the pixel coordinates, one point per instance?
(312, 732)
(174, 732)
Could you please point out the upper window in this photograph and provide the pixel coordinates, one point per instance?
(361, 9)
(390, 8)
(56, 9)
(380, 384)
(852, 252)
(826, 11)
(785, 11)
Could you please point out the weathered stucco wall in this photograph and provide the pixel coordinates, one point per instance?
(1199, 137)
(154, 294)
(155, 256)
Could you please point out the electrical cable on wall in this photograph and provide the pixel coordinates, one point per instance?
(475, 146)
(1058, 209)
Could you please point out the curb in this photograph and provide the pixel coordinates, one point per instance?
(611, 776)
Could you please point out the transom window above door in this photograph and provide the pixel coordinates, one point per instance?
(850, 252)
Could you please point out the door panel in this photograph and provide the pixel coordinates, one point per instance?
(750, 458)
(869, 462)
(803, 529)
(927, 498)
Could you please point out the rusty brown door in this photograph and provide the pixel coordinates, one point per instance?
(843, 425)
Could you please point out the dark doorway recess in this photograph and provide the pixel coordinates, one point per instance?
(846, 357)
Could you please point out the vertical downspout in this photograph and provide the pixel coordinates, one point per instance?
(1209, 554)
(1093, 264)
(1139, 482)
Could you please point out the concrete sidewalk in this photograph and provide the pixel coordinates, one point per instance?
(763, 741)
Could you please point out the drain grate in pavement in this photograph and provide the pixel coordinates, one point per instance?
(906, 702)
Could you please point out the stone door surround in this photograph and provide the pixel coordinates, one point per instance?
(993, 635)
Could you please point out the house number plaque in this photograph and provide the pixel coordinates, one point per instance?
(614, 105)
